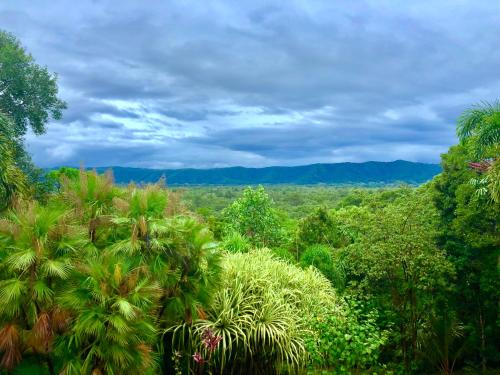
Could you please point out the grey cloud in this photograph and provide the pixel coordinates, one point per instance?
(256, 83)
(307, 139)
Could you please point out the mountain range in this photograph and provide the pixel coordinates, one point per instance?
(371, 172)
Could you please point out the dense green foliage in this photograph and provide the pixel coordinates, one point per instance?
(346, 344)
(108, 280)
(100, 268)
(479, 129)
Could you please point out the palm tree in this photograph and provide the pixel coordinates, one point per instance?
(41, 245)
(479, 127)
(178, 252)
(113, 332)
(91, 196)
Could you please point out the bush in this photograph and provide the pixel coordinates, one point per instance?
(234, 242)
(341, 344)
(284, 254)
(326, 260)
(263, 313)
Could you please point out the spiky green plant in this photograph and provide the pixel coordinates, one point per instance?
(139, 220)
(113, 331)
(261, 312)
(125, 264)
(481, 126)
(40, 246)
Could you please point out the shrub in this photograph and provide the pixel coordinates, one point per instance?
(263, 312)
(326, 260)
(341, 344)
(285, 254)
(234, 242)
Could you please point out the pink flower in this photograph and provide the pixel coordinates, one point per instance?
(198, 358)
(210, 340)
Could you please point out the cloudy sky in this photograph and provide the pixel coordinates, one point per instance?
(169, 84)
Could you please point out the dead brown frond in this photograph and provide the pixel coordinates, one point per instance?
(10, 344)
(42, 333)
(121, 205)
(145, 351)
(143, 226)
(60, 319)
(117, 274)
(175, 205)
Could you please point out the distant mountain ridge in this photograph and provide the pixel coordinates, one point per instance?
(371, 172)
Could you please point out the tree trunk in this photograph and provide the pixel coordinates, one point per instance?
(483, 342)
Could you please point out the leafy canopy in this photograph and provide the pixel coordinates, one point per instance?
(254, 216)
(28, 91)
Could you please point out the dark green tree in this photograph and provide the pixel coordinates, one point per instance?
(28, 97)
(28, 91)
(469, 235)
(319, 228)
(396, 262)
(254, 215)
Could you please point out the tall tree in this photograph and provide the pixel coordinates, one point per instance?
(395, 261)
(469, 235)
(28, 91)
(254, 215)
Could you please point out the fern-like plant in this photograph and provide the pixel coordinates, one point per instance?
(41, 245)
(113, 330)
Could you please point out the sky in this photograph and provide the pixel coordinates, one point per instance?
(201, 84)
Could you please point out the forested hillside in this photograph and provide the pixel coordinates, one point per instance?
(340, 173)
